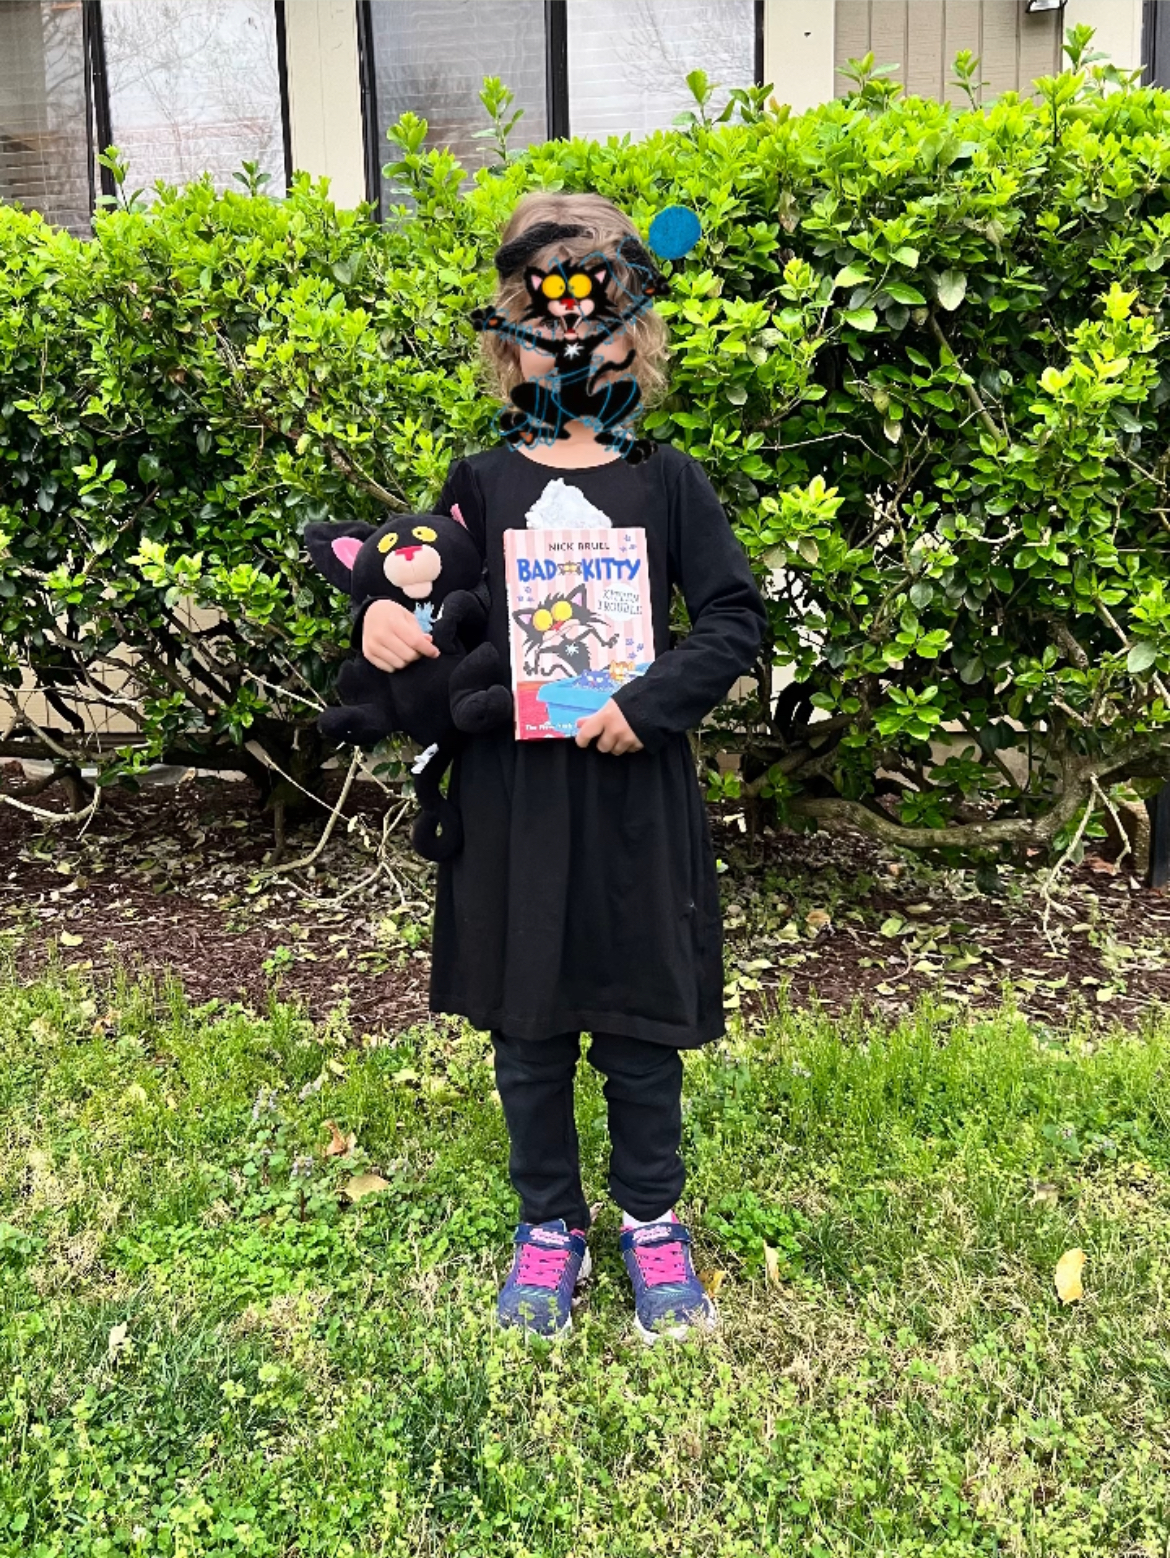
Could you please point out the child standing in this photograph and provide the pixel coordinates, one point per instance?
(585, 896)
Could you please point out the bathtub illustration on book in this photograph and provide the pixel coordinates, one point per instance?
(578, 698)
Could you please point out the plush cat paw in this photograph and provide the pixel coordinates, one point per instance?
(480, 697)
(480, 712)
(352, 725)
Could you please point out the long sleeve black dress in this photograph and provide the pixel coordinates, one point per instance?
(585, 897)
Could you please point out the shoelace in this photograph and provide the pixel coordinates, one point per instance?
(661, 1263)
(542, 1266)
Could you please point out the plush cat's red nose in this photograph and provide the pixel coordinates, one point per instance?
(407, 551)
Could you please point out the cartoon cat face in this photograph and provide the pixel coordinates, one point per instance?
(568, 292)
(557, 617)
(415, 559)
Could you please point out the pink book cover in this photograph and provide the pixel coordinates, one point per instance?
(579, 624)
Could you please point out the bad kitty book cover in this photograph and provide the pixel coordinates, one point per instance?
(579, 623)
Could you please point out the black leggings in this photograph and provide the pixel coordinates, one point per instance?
(643, 1088)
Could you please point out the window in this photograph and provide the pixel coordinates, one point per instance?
(180, 89)
(629, 59)
(581, 67)
(46, 159)
(194, 89)
(430, 57)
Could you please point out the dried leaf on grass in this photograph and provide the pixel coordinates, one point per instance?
(364, 1185)
(339, 1145)
(1068, 1276)
(772, 1265)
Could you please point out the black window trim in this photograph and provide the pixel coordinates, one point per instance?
(1155, 44)
(556, 69)
(97, 97)
(282, 88)
(368, 85)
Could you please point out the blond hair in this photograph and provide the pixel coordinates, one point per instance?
(603, 228)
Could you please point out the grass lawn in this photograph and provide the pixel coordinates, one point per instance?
(207, 1348)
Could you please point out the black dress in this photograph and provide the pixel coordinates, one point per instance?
(585, 896)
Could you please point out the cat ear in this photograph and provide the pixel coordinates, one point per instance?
(346, 549)
(457, 515)
(534, 278)
(333, 550)
(578, 594)
(524, 617)
(601, 275)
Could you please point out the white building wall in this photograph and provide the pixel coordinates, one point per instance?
(324, 92)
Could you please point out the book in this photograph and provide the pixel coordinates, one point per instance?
(579, 622)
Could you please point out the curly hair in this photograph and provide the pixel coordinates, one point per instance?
(603, 226)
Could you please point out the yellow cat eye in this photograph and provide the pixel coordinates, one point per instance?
(553, 286)
(580, 285)
(542, 620)
(562, 611)
(389, 540)
(423, 533)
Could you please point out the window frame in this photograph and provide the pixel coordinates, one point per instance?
(556, 36)
(99, 132)
(368, 89)
(1155, 43)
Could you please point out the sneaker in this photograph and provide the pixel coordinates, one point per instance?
(551, 1261)
(668, 1297)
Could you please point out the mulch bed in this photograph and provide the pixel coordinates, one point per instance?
(169, 880)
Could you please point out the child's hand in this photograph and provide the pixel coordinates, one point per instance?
(392, 637)
(612, 730)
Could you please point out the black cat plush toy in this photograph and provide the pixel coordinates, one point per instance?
(428, 563)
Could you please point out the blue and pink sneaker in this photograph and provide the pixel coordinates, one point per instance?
(551, 1261)
(669, 1299)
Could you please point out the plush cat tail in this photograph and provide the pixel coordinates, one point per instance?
(438, 829)
(333, 548)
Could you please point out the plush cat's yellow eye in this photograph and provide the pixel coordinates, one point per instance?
(580, 285)
(562, 611)
(389, 540)
(553, 286)
(542, 620)
(423, 533)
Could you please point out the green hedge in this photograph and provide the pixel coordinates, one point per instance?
(921, 351)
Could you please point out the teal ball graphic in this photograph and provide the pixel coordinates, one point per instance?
(674, 231)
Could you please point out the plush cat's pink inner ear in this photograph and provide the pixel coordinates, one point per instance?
(345, 549)
(457, 516)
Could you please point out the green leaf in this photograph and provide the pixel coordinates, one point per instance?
(901, 293)
(951, 289)
(850, 276)
(860, 318)
(1126, 420)
(1141, 657)
(972, 670)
